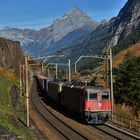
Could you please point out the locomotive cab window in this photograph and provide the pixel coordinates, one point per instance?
(105, 96)
(92, 96)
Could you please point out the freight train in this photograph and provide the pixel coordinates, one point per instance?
(90, 103)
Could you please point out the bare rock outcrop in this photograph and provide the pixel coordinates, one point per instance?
(10, 54)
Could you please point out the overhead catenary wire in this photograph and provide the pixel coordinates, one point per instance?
(96, 40)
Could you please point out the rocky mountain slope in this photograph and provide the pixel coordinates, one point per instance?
(74, 24)
(77, 38)
(107, 34)
(10, 54)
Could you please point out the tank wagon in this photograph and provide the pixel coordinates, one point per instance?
(91, 103)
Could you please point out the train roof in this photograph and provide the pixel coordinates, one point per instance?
(96, 88)
(86, 87)
(41, 77)
(57, 82)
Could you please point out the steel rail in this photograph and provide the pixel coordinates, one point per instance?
(123, 131)
(60, 126)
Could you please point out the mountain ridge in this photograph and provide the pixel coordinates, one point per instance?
(74, 20)
(106, 35)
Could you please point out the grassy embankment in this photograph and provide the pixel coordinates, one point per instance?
(9, 114)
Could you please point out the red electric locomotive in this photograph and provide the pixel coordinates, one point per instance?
(91, 103)
(97, 104)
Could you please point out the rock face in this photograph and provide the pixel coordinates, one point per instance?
(74, 24)
(121, 26)
(127, 20)
(62, 36)
(72, 20)
(107, 34)
(10, 54)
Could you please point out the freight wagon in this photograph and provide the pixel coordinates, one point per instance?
(91, 103)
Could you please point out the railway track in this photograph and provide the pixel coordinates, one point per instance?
(67, 132)
(115, 132)
(64, 131)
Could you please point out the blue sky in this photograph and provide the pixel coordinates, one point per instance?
(37, 14)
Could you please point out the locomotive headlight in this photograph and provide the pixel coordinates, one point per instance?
(90, 108)
(107, 108)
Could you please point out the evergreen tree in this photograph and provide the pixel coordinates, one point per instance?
(127, 82)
